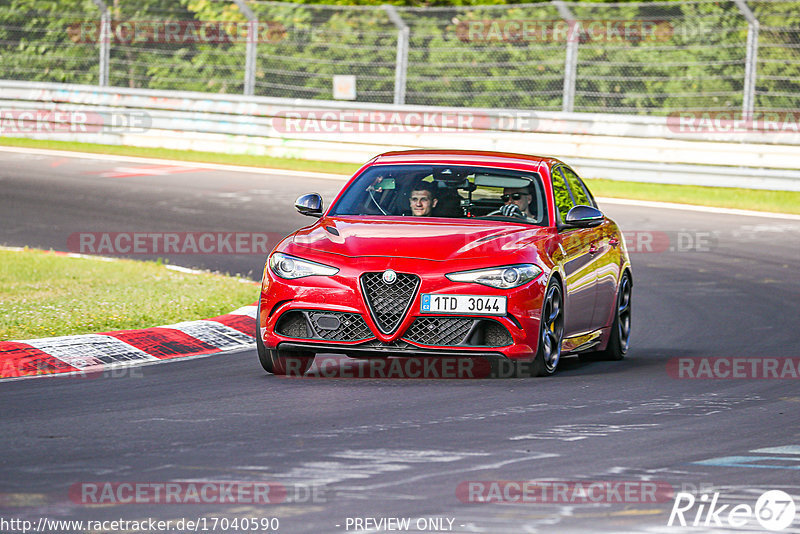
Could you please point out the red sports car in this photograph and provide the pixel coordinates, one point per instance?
(432, 253)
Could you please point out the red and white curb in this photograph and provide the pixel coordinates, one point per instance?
(92, 353)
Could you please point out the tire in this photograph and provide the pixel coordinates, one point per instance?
(619, 341)
(551, 331)
(280, 362)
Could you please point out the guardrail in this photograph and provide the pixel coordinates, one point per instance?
(651, 57)
(693, 149)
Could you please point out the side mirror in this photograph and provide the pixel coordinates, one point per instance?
(310, 204)
(584, 217)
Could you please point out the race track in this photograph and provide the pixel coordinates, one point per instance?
(718, 285)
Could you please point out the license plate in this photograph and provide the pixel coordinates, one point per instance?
(463, 304)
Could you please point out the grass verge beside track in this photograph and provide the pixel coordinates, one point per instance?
(46, 294)
(722, 197)
(718, 197)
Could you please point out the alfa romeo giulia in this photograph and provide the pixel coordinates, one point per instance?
(436, 253)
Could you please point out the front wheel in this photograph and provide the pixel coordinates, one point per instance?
(551, 332)
(280, 362)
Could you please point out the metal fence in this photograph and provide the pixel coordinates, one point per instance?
(635, 58)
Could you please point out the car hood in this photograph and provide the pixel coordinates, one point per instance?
(428, 239)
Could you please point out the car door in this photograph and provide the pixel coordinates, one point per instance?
(576, 245)
(604, 252)
(608, 265)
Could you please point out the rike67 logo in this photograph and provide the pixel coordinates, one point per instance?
(774, 510)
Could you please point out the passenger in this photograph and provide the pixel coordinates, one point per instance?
(423, 199)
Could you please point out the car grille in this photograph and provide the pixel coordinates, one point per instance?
(328, 325)
(349, 326)
(389, 303)
(453, 331)
(441, 331)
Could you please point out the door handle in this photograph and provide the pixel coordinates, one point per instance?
(593, 249)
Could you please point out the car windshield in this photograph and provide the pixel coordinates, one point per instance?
(446, 191)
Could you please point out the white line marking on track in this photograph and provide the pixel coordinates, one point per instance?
(186, 270)
(787, 449)
(148, 170)
(692, 207)
(155, 161)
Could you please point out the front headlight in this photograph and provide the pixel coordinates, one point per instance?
(292, 267)
(506, 277)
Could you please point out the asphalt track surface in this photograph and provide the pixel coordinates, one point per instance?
(380, 448)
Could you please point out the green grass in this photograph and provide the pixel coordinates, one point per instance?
(724, 197)
(46, 295)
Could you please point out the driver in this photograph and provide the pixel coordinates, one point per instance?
(517, 200)
(423, 199)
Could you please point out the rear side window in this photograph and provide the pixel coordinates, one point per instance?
(561, 194)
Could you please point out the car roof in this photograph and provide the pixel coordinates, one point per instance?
(463, 157)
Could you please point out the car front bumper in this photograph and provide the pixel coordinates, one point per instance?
(333, 314)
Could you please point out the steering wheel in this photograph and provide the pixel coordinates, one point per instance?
(518, 215)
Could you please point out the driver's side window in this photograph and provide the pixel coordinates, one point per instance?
(576, 186)
(561, 194)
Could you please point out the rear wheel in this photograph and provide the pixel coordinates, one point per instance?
(551, 332)
(619, 340)
(281, 362)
